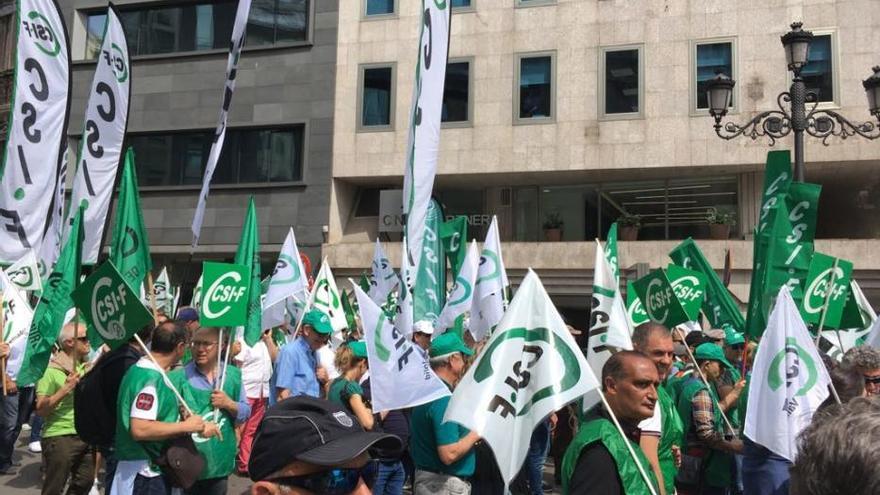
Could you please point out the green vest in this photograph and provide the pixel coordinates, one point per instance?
(219, 454)
(734, 414)
(672, 433)
(716, 464)
(142, 374)
(598, 429)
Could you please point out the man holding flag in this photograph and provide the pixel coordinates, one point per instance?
(296, 372)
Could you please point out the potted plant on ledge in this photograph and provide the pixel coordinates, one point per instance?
(720, 223)
(553, 226)
(628, 227)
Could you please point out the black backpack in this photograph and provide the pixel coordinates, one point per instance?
(96, 394)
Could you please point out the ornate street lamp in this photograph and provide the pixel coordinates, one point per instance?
(776, 124)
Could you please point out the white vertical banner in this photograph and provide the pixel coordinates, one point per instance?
(424, 130)
(100, 149)
(238, 34)
(51, 246)
(37, 127)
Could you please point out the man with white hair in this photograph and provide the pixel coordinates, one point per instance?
(64, 454)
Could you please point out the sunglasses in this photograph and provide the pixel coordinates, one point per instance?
(872, 380)
(333, 482)
(737, 347)
(82, 339)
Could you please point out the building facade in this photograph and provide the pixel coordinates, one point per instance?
(575, 113)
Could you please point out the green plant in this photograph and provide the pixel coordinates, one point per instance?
(553, 220)
(715, 217)
(629, 220)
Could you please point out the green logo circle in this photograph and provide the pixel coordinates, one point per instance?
(19, 193)
(796, 360)
(34, 16)
(123, 76)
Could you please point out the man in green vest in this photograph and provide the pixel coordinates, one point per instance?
(598, 461)
(707, 461)
(148, 415)
(662, 433)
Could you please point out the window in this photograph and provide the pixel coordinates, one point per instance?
(535, 88)
(153, 30)
(376, 98)
(818, 74)
(456, 93)
(710, 58)
(249, 156)
(461, 4)
(530, 3)
(621, 82)
(379, 7)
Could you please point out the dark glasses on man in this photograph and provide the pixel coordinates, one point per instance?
(872, 380)
(333, 482)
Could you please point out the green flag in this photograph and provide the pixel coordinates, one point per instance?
(248, 254)
(718, 306)
(611, 251)
(226, 299)
(111, 309)
(660, 302)
(689, 287)
(349, 310)
(635, 311)
(816, 292)
(429, 290)
(129, 249)
(364, 282)
(53, 305)
(454, 236)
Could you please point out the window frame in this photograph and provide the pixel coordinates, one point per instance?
(603, 51)
(524, 4)
(359, 111)
(303, 181)
(734, 66)
(470, 102)
(835, 68)
(517, 67)
(462, 10)
(395, 13)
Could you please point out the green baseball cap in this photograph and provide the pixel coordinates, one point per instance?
(733, 338)
(447, 344)
(319, 321)
(712, 352)
(358, 348)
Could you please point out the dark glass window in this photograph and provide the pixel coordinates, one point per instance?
(535, 87)
(368, 203)
(455, 92)
(818, 74)
(461, 3)
(249, 156)
(712, 58)
(380, 7)
(152, 30)
(622, 81)
(376, 97)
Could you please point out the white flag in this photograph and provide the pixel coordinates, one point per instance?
(462, 294)
(51, 246)
(789, 381)
(25, 273)
(238, 33)
(404, 300)
(530, 367)
(106, 119)
(325, 296)
(488, 304)
(383, 280)
(197, 294)
(400, 376)
(18, 316)
(424, 130)
(289, 277)
(274, 315)
(161, 292)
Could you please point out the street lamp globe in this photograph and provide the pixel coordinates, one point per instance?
(797, 47)
(719, 92)
(872, 89)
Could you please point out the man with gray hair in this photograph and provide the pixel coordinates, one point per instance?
(866, 360)
(65, 455)
(443, 453)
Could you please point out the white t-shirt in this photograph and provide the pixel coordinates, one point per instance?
(326, 356)
(256, 369)
(652, 425)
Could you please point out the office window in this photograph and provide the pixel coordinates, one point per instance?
(710, 59)
(621, 82)
(456, 93)
(818, 74)
(376, 97)
(530, 3)
(153, 30)
(249, 156)
(460, 4)
(379, 7)
(534, 98)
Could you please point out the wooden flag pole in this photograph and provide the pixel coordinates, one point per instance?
(152, 298)
(828, 289)
(3, 340)
(627, 442)
(706, 382)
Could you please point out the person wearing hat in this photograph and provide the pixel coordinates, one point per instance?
(423, 330)
(716, 336)
(311, 446)
(189, 318)
(707, 464)
(296, 372)
(345, 390)
(730, 384)
(442, 451)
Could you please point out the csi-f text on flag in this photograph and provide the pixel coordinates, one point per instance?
(225, 294)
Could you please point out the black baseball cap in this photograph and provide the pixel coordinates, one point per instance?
(311, 430)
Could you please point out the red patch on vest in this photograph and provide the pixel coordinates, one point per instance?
(144, 401)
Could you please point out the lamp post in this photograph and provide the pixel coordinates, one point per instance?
(801, 115)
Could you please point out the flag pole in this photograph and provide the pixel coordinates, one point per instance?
(164, 375)
(626, 441)
(706, 382)
(828, 290)
(2, 341)
(225, 367)
(152, 297)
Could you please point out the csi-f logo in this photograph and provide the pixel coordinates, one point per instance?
(658, 298)
(461, 291)
(286, 271)
(687, 288)
(23, 277)
(537, 344)
(489, 259)
(115, 58)
(38, 29)
(107, 306)
(209, 417)
(817, 291)
(226, 294)
(787, 367)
